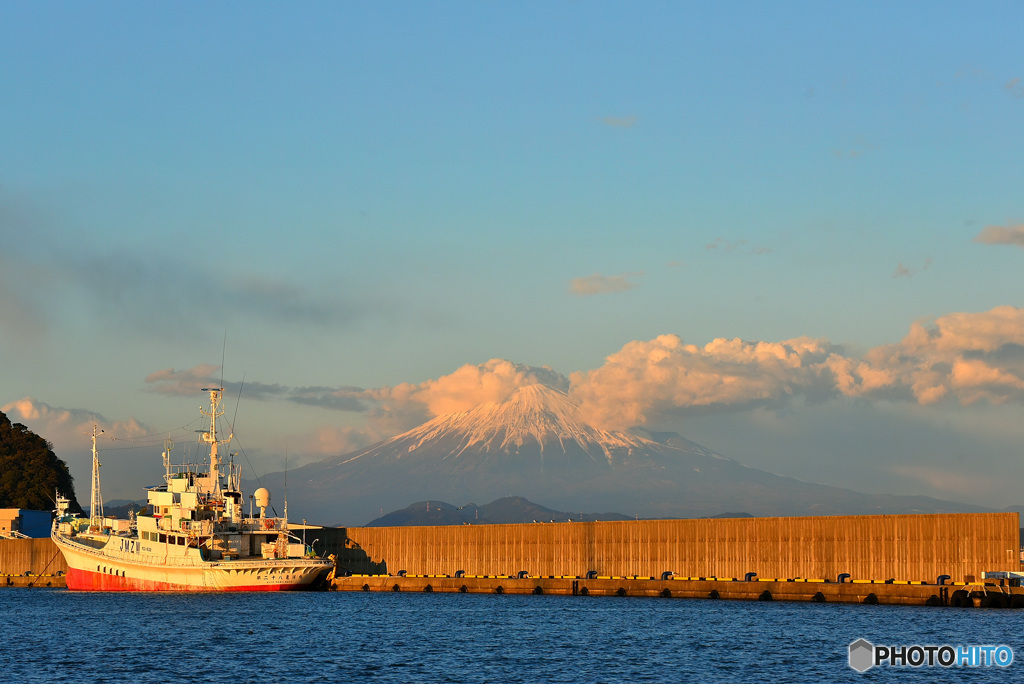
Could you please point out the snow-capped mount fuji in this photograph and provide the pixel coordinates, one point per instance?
(534, 444)
(535, 424)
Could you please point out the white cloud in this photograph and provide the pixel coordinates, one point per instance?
(619, 121)
(187, 383)
(407, 405)
(68, 429)
(1001, 235)
(903, 271)
(646, 380)
(962, 357)
(601, 284)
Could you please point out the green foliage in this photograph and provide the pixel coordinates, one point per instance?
(30, 473)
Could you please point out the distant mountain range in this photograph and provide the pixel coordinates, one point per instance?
(535, 445)
(511, 509)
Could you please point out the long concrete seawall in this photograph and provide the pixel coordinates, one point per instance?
(869, 547)
(35, 556)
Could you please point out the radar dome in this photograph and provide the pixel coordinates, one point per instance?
(262, 496)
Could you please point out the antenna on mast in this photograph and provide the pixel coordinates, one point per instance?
(223, 353)
(168, 445)
(216, 410)
(96, 498)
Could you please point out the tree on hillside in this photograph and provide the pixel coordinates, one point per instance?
(30, 472)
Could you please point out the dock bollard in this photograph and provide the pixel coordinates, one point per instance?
(941, 579)
(749, 577)
(843, 577)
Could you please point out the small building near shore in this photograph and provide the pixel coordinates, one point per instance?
(19, 522)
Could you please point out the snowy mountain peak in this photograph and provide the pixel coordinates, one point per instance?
(534, 414)
(535, 443)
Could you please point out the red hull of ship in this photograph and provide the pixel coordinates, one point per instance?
(83, 580)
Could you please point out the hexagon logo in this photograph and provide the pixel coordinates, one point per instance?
(862, 655)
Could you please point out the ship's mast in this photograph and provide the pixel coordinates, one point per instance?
(168, 445)
(211, 437)
(96, 499)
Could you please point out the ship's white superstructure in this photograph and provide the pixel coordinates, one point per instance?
(193, 536)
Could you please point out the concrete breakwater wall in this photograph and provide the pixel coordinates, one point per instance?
(990, 595)
(35, 556)
(870, 547)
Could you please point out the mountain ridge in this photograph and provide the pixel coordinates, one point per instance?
(504, 511)
(534, 444)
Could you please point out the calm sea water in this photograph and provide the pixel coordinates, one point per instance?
(61, 636)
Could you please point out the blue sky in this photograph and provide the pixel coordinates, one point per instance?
(349, 202)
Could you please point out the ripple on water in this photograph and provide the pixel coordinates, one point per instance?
(66, 636)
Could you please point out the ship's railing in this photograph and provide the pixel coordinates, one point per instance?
(137, 558)
(265, 524)
(146, 559)
(13, 534)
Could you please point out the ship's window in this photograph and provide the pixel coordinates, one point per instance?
(181, 541)
(163, 538)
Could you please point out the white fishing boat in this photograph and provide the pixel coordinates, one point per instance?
(192, 536)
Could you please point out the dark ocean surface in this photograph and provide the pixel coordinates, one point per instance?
(50, 635)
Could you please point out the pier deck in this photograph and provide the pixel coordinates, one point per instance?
(993, 595)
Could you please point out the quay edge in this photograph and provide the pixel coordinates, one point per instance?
(992, 595)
